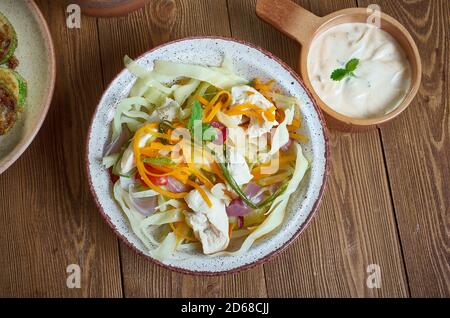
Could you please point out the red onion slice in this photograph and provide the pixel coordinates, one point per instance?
(116, 145)
(145, 206)
(221, 132)
(237, 207)
(175, 185)
(252, 190)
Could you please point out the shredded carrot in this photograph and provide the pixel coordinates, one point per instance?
(222, 97)
(180, 175)
(248, 113)
(149, 152)
(228, 193)
(154, 174)
(245, 106)
(141, 168)
(216, 169)
(157, 134)
(159, 146)
(252, 110)
(202, 100)
(264, 88)
(269, 113)
(198, 174)
(280, 115)
(213, 112)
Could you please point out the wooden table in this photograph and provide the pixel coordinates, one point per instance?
(387, 200)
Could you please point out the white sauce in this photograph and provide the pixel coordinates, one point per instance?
(382, 78)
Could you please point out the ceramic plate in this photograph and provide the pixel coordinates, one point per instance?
(249, 62)
(37, 65)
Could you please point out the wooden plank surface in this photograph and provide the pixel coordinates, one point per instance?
(355, 225)
(417, 150)
(47, 214)
(387, 201)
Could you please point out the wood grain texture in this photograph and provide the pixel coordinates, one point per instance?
(47, 216)
(417, 150)
(355, 226)
(159, 22)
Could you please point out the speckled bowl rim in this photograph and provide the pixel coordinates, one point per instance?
(267, 257)
(25, 142)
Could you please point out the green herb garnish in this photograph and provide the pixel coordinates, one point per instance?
(208, 132)
(159, 161)
(340, 73)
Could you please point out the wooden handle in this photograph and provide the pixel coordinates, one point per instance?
(288, 17)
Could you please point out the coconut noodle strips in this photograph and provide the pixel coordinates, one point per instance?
(203, 160)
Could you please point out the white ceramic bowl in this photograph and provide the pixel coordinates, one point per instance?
(249, 62)
(36, 56)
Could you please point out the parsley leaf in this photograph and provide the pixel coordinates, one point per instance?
(208, 132)
(340, 73)
(196, 115)
(351, 65)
